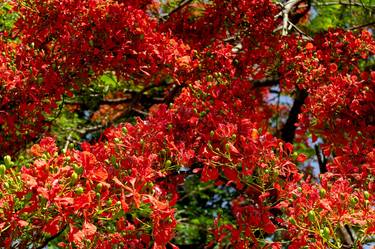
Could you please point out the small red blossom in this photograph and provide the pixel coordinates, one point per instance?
(332, 67)
(301, 158)
(309, 46)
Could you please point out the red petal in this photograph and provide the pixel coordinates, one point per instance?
(88, 229)
(52, 227)
(99, 174)
(301, 158)
(231, 174)
(125, 206)
(309, 46)
(269, 228)
(289, 147)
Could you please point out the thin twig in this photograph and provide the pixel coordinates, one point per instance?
(181, 5)
(61, 106)
(134, 94)
(362, 26)
(52, 238)
(140, 111)
(344, 4)
(67, 142)
(86, 130)
(195, 191)
(306, 37)
(130, 108)
(347, 236)
(287, 7)
(321, 161)
(231, 38)
(266, 82)
(115, 101)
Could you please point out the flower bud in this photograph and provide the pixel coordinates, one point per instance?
(150, 185)
(354, 200)
(295, 154)
(227, 146)
(322, 192)
(209, 145)
(168, 163)
(2, 169)
(79, 190)
(8, 161)
(292, 221)
(74, 177)
(325, 233)
(77, 169)
(367, 203)
(99, 187)
(311, 215)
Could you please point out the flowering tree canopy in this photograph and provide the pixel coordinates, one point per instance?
(110, 109)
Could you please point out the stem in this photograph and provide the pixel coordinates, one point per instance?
(52, 238)
(322, 162)
(289, 129)
(344, 4)
(181, 5)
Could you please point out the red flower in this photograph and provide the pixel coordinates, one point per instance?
(309, 46)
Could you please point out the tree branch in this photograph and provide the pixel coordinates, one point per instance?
(173, 93)
(322, 161)
(181, 5)
(287, 7)
(266, 82)
(117, 101)
(345, 4)
(139, 95)
(52, 238)
(290, 19)
(304, 36)
(289, 129)
(346, 234)
(362, 26)
(85, 130)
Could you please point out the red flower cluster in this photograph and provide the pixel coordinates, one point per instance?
(70, 44)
